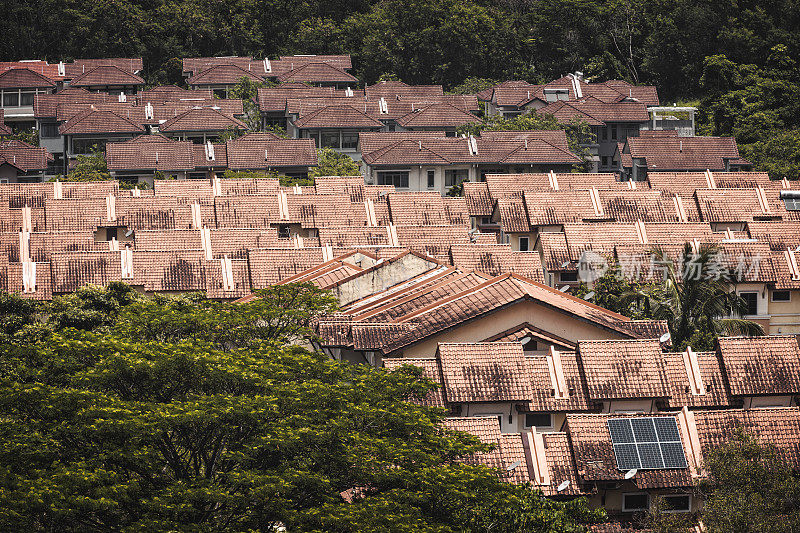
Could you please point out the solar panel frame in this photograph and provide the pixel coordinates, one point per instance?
(647, 443)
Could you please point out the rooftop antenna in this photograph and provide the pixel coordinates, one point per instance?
(562, 486)
(664, 338)
(630, 473)
(513, 466)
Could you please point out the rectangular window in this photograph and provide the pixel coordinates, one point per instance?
(635, 501)
(48, 130)
(604, 160)
(27, 99)
(792, 204)
(10, 98)
(283, 231)
(751, 301)
(538, 420)
(221, 93)
(613, 132)
(677, 503)
(486, 220)
(397, 178)
(330, 139)
(454, 177)
(523, 244)
(111, 233)
(781, 296)
(431, 179)
(350, 140)
(85, 146)
(605, 133)
(568, 277)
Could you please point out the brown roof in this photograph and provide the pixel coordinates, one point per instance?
(223, 75)
(261, 152)
(597, 112)
(623, 369)
(274, 98)
(667, 152)
(24, 78)
(150, 152)
(437, 116)
(4, 129)
(316, 73)
(106, 75)
(495, 259)
(544, 397)
(394, 88)
(761, 365)
(95, 121)
(484, 372)
(201, 119)
(80, 66)
(24, 156)
(714, 393)
(337, 116)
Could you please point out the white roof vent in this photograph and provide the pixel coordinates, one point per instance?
(382, 106)
(61, 69)
(267, 65)
(122, 98)
(210, 151)
(473, 145)
(148, 111)
(348, 92)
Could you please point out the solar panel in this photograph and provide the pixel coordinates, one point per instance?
(646, 443)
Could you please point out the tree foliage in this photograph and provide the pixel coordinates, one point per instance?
(89, 167)
(194, 416)
(332, 163)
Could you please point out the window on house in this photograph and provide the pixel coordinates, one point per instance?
(454, 177)
(530, 345)
(397, 178)
(792, 204)
(568, 277)
(350, 140)
(111, 233)
(283, 231)
(613, 132)
(431, 179)
(329, 139)
(677, 503)
(197, 175)
(85, 146)
(48, 130)
(751, 302)
(27, 99)
(781, 296)
(10, 98)
(523, 244)
(538, 420)
(486, 220)
(635, 501)
(220, 93)
(604, 160)
(604, 133)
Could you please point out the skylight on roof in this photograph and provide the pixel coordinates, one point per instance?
(647, 443)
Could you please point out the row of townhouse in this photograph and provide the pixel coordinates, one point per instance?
(583, 224)
(576, 400)
(615, 111)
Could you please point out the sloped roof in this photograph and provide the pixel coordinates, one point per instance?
(337, 116)
(618, 369)
(150, 152)
(761, 365)
(96, 121)
(201, 119)
(442, 115)
(224, 74)
(23, 155)
(484, 372)
(317, 73)
(24, 78)
(106, 75)
(668, 152)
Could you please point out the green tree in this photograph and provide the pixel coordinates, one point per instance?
(749, 489)
(30, 136)
(247, 91)
(89, 167)
(107, 431)
(611, 291)
(332, 163)
(696, 300)
(90, 307)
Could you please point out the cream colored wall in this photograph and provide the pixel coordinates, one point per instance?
(382, 278)
(784, 316)
(613, 498)
(537, 315)
(629, 406)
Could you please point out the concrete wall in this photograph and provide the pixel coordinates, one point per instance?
(537, 315)
(384, 276)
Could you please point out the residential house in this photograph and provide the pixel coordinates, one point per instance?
(665, 151)
(18, 90)
(432, 161)
(110, 79)
(22, 163)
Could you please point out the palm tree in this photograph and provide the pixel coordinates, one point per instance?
(697, 303)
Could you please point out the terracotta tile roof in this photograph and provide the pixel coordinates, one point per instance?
(270, 266)
(761, 365)
(434, 241)
(73, 270)
(393, 88)
(738, 205)
(193, 65)
(4, 130)
(255, 153)
(222, 74)
(783, 278)
(426, 209)
(154, 213)
(667, 152)
(94, 121)
(172, 93)
(623, 369)
(779, 427)
(430, 369)
(597, 112)
(40, 67)
(437, 116)
(24, 78)
(544, 398)
(502, 185)
(257, 211)
(484, 372)
(216, 287)
(513, 214)
(714, 393)
(779, 235)
(594, 454)
(150, 152)
(106, 75)
(48, 105)
(24, 156)
(337, 116)
(203, 119)
(76, 214)
(43, 245)
(486, 428)
(273, 99)
(495, 259)
(43, 289)
(80, 66)
(349, 236)
(317, 72)
(557, 138)
(486, 94)
(479, 202)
